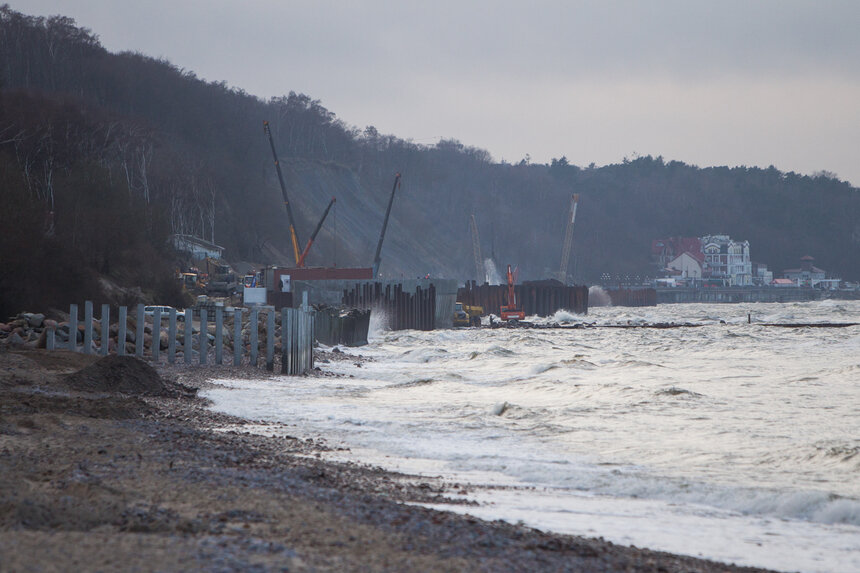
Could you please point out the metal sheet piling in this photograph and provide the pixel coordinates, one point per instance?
(88, 327)
(104, 338)
(122, 327)
(187, 331)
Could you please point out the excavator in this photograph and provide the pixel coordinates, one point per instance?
(512, 312)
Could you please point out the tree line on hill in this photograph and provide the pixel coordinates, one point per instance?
(105, 155)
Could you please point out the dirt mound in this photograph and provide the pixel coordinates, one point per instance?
(123, 374)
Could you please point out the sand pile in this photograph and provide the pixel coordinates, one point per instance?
(122, 374)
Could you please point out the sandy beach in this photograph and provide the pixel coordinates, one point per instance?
(108, 465)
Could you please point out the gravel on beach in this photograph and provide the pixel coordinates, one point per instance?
(108, 464)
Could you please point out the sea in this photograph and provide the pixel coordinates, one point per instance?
(728, 439)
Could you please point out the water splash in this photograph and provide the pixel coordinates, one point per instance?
(493, 276)
(598, 297)
(379, 323)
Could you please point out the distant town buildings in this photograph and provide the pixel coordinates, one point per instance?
(719, 260)
(715, 259)
(808, 275)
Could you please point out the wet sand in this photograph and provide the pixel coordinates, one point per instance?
(151, 480)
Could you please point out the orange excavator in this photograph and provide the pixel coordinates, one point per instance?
(511, 311)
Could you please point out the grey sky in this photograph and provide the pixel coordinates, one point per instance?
(710, 83)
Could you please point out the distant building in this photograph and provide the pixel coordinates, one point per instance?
(687, 265)
(783, 283)
(195, 246)
(808, 275)
(663, 251)
(727, 260)
(761, 276)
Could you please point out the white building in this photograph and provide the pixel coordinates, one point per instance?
(727, 260)
(686, 266)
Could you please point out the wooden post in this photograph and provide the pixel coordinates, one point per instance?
(219, 336)
(50, 341)
(270, 341)
(188, 344)
(121, 334)
(204, 337)
(138, 341)
(254, 337)
(171, 338)
(88, 327)
(105, 337)
(156, 335)
(237, 337)
(73, 328)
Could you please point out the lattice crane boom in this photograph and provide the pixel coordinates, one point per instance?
(568, 239)
(481, 275)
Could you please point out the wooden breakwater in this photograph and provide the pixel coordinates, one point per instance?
(190, 336)
(633, 297)
(541, 298)
(403, 309)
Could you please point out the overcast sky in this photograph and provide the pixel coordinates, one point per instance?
(718, 82)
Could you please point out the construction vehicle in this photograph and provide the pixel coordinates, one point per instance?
(222, 279)
(465, 315)
(377, 258)
(293, 234)
(568, 240)
(510, 311)
(301, 262)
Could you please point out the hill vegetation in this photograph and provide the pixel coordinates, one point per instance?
(103, 156)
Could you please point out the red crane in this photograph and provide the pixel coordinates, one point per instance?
(511, 311)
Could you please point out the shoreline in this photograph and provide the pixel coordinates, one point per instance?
(100, 480)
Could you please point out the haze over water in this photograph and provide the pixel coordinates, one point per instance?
(737, 442)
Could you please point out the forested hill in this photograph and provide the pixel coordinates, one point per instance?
(137, 148)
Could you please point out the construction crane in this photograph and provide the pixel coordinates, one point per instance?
(293, 235)
(377, 258)
(301, 262)
(481, 275)
(568, 239)
(511, 311)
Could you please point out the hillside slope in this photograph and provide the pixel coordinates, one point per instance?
(190, 156)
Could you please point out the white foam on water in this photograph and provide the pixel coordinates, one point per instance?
(733, 441)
